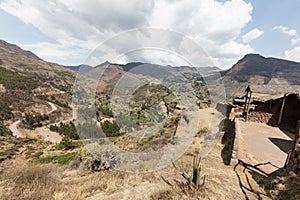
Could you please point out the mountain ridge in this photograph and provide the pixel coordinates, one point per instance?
(260, 70)
(14, 58)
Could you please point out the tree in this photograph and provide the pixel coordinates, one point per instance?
(111, 129)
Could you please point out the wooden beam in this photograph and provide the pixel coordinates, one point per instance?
(281, 110)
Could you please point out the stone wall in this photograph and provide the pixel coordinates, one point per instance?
(262, 117)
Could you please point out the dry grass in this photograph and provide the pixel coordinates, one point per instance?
(30, 182)
(71, 181)
(49, 181)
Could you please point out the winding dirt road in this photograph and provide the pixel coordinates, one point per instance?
(43, 131)
(46, 133)
(15, 131)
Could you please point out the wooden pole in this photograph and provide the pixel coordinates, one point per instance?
(248, 106)
(245, 105)
(281, 110)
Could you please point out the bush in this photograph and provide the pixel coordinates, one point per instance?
(202, 131)
(60, 159)
(33, 121)
(5, 111)
(15, 81)
(66, 129)
(66, 144)
(3, 130)
(111, 129)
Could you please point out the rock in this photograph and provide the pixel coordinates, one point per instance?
(293, 174)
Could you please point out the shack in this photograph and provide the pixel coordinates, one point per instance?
(273, 105)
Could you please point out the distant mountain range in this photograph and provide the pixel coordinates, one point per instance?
(251, 69)
(129, 66)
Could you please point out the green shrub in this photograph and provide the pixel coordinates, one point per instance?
(32, 121)
(5, 111)
(202, 131)
(15, 81)
(111, 129)
(60, 159)
(66, 129)
(66, 144)
(3, 130)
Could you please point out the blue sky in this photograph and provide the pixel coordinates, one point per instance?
(67, 32)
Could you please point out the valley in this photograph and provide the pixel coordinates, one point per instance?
(116, 131)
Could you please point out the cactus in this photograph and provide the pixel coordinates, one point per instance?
(194, 179)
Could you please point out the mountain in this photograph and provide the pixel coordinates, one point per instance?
(259, 70)
(28, 83)
(82, 68)
(129, 66)
(25, 62)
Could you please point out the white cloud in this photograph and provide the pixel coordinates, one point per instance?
(251, 35)
(295, 40)
(214, 25)
(287, 31)
(290, 32)
(293, 54)
(57, 52)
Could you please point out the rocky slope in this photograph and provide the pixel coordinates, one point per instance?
(16, 59)
(256, 69)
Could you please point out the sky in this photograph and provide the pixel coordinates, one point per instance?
(68, 31)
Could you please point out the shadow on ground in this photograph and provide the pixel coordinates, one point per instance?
(257, 184)
(283, 145)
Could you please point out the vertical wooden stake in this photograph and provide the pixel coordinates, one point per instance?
(281, 110)
(248, 106)
(245, 105)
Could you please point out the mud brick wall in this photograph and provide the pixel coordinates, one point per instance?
(262, 117)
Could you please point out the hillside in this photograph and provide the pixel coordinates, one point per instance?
(256, 69)
(16, 59)
(28, 83)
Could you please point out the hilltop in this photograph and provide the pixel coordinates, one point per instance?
(259, 70)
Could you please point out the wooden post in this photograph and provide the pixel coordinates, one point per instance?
(248, 106)
(248, 90)
(245, 105)
(281, 110)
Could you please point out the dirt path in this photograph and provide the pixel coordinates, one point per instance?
(46, 133)
(43, 131)
(53, 108)
(49, 135)
(222, 181)
(260, 143)
(15, 131)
